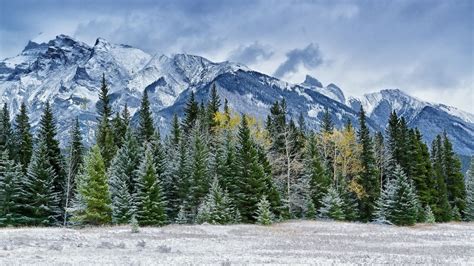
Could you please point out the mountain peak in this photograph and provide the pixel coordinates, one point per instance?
(102, 43)
(312, 82)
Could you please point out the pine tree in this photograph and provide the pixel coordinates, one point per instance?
(24, 137)
(75, 160)
(319, 180)
(119, 128)
(368, 177)
(454, 178)
(11, 178)
(7, 141)
(332, 206)
(213, 106)
(200, 177)
(103, 106)
(47, 133)
(146, 128)
(150, 197)
(123, 178)
(264, 215)
(40, 201)
(327, 124)
(216, 207)
(93, 204)
(182, 217)
(398, 202)
(469, 210)
(175, 131)
(441, 208)
(250, 174)
(190, 114)
(105, 136)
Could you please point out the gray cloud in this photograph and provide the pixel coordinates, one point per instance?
(310, 57)
(370, 45)
(250, 54)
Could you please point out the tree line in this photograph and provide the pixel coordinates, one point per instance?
(220, 167)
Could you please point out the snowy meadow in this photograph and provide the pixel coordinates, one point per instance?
(292, 242)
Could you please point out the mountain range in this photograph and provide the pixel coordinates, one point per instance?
(67, 73)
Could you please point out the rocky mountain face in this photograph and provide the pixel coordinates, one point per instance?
(67, 73)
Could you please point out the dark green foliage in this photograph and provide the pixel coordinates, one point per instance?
(11, 178)
(40, 200)
(398, 203)
(47, 133)
(327, 125)
(199, 169)
(146, 128)
(190, 114)
(319, 181)
(454, 178)
(7, 141)
(103, 106)
(213, 106)
(75, 160)
(24, 138)
(175, 131)
(149, 196)
(217, 207)
(442, 209)
(253, 181)
(123, 178)
(369, 176)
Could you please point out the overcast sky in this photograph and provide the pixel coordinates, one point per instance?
(422, 47)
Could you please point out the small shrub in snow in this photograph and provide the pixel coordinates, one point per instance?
(264, 215)
(456, 214)
(429, 216)
(134, 225)
(332, 205)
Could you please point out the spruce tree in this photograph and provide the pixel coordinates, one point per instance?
(319, 180)
(251, 174)
(441, 208)
(368, 177)
(47, 133)
(75, 160)
(146, 128)
(11, 178)
(93, 196)
(469, 210)
(40, 201)
(327, 124)
(216, 207)
(263, 214)
(213, 106)
(119, 128)
(123, 178)
(332, 206)
(200, 174)
(150, 198)
(398, 202)
(175, 131)
(191, 111)
(105, 134)
(7, 141)
(24, 138)
(454, 178)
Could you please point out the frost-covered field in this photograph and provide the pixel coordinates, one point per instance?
(290, 242)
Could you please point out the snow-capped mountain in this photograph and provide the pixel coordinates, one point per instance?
(430, 118)
(332, 91)
(67, 73)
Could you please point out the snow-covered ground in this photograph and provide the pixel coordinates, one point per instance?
(295, 242)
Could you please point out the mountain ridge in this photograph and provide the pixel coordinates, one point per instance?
(67, 73)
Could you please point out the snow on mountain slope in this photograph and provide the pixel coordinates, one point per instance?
(332, 91)
(430, 118)
(67, 73)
